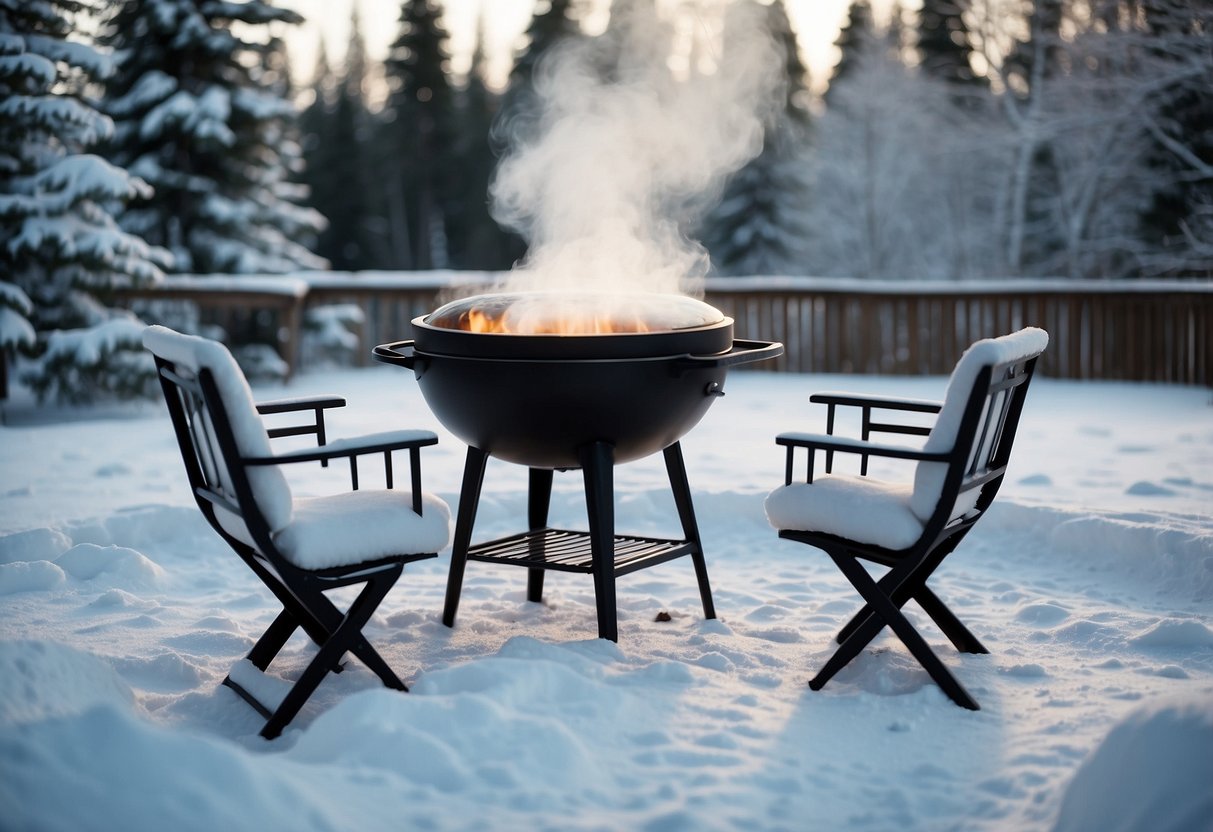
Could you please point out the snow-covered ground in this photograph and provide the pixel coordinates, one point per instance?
(1091, 580)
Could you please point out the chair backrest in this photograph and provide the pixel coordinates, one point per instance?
(978, 421)
(212, 407)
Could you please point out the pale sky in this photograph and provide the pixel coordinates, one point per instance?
(815, 21)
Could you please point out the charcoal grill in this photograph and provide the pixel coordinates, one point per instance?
(564, 381)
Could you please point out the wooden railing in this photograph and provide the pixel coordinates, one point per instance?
(1127, 330)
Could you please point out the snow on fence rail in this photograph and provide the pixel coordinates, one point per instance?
(1147, 330)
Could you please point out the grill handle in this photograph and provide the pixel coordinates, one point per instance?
(390, 354)
(742, 352)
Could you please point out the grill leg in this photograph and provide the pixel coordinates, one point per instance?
(598, 468)
(539, 497)
(690, 529)
(469, 499)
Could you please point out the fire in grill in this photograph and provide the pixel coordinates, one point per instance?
(573, 380)
(577, 313)
(537, 386)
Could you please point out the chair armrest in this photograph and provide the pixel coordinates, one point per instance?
(814, 442)
(371, 443)
(374, 443)
(868, 426)
(826, 442)
(297, 403)
(878, 402)
(316, 404)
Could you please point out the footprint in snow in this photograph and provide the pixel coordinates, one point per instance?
(1142, 488)
(1036, 479)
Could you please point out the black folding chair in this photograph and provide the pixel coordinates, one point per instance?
(299, 547)
(909, 527)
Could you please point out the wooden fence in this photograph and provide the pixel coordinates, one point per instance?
(1126, 330)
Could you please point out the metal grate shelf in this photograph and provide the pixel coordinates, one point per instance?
(570, 551)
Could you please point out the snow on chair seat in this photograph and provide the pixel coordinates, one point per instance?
(860, 508)
(358, 526)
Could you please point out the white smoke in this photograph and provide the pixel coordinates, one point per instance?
(622, 166)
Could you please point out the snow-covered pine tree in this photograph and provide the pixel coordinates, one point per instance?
(417, 137)
(904, 178)
(201, 115)
(853, 39)
(943, 41)
(553, 23)
(476, 241)
(761, 225)
(517, 121)
(634, 42)
(16, 332)
(338, 135)
(58, 243)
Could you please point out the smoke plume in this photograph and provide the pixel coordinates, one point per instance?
(626, 157)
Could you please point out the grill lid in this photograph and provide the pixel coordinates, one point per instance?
(573, 313)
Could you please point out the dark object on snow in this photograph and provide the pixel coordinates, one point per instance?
(910, 528)
(584, 392)
(299, 548)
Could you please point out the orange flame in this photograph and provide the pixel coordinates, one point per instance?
(582, 322)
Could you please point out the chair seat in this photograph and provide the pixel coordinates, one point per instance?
(862, 509)
(354, 527)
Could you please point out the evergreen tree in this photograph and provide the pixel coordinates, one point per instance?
(16, 332)
(417, 138)
(476, 240)
(338, 135)
(634, 41)
(201, 117)
(853, 38)
(943, 41)
(518, 120)
(59, 246)
(761, 224)
(552, 24)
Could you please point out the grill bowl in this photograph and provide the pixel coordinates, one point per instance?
(536, 399)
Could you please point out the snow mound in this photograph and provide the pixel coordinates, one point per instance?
(494, 722)
(114, 564)
(884, 672)
(1171, 552)
(33, 544)
(41, 679)
(50, 770)
(1152, 771)
(29, 576)
(1173, 632)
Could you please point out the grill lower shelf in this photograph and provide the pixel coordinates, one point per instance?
(570, 551)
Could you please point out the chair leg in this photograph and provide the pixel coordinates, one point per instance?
(854, 643)
(948, 623)
(469, 498)
(916, 588)
(864, 615)
(690, 528)
(598, 470)
(331, 618)
(342, 639)
(317, 630)
(539, 498)
(887, 611)
(893, 584)
(273, 640)
(370, 657)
